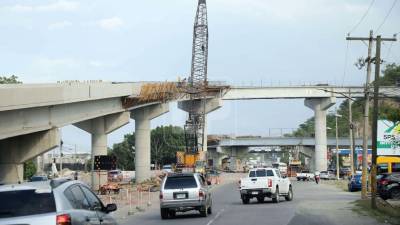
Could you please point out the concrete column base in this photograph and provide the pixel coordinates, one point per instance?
(319, 106)
(142, 117)
(11, 173)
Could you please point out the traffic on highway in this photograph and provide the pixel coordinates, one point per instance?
(255, 112)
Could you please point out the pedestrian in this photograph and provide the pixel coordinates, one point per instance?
(316, 177)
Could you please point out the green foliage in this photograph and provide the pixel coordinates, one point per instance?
(165, 142)
(389, 109)
(9, 80)
(29, 169)
(125, 152)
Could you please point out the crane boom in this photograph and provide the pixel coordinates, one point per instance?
(194, 126)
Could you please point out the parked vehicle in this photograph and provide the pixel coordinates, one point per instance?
(388, 164)
(182, 192)
(354, 183)
(265, 182)
(327, 175)
(166, 169)
(389, 185)
(304, 175)
(344, 172)
(60, 201)
(37, 178)
(115, 176)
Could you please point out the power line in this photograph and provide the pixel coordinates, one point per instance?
(387, 15)
(363, 17)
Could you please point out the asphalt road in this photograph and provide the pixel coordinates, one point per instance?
(312, 204)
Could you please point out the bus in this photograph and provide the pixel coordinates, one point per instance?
(388, 164)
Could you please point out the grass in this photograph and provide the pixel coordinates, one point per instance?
(384, 214)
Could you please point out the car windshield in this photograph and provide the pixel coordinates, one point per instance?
(25, 203)
(180, 182)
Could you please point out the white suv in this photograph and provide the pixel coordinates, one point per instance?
(185, 192)
(60, 202)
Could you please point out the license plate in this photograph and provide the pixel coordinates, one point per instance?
(254, 193)
(180, 196)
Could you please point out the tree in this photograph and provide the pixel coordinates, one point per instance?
(9, 80)
(125, 152)
(165, 142)
(29, 169)
(389, 109)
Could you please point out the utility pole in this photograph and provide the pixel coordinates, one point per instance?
(337, 146)
(60, 157)
(369, 60)
(375, 121)
(352, 167)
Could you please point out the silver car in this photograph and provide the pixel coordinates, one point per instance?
(60, 201)
(185, 192)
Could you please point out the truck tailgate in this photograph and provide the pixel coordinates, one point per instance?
(254, 183)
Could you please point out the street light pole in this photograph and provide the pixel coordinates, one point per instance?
(352, 159)
(337, 146)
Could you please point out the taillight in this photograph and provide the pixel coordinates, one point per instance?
(63, 219)
(201, 194)
(383, 182)
(269, 183)
(161, 195)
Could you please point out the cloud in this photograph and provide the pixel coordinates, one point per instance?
(59, 25)
(96, 63)
(60, 5)
(111, 23)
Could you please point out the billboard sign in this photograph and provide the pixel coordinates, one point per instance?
(388, 142)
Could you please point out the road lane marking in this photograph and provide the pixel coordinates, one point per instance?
(216, 217)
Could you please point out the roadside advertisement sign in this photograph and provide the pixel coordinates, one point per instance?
(388, 142)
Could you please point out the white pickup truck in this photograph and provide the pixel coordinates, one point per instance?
(304, 175)
(265, 182)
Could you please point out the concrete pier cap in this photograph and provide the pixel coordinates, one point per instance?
(16, 150)
(99, 128)
(143, 117)
(319, 106)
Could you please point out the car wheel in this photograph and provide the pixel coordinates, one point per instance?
(298, 179)
(210, 210)
(395, 193)
(275, 199)
(172, 213)
(289, 196)
(164, 214)
(260, 199)
(245, 199)
(204, 211)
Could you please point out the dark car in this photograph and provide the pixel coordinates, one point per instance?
(354, 183)
(38, 178)
(389, 185)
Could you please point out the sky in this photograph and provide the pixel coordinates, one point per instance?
(251, 42)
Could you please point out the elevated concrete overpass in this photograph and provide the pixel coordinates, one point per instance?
(238, 149)
(30, 115)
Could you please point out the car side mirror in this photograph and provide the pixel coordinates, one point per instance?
(110, 208)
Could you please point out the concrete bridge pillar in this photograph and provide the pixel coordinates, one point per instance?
(17, 150)
(319, 106)
(143, 117)
(99, 128)
(200, 106)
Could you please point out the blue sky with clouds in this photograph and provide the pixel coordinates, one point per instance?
(251, 42)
